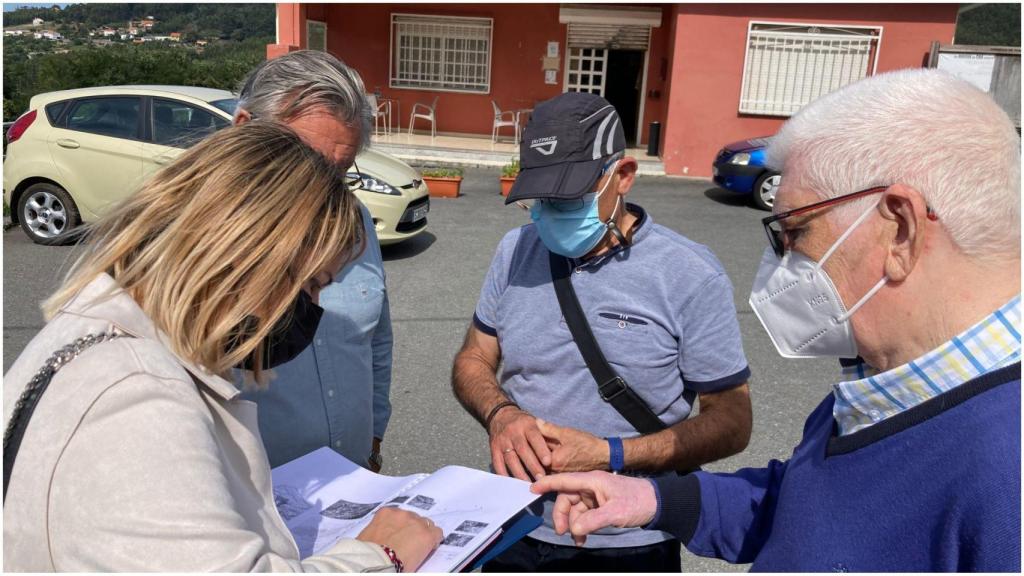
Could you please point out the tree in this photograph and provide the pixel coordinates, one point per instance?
(220, 65)
(989, 25)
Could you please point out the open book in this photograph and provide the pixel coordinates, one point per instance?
(324, 497)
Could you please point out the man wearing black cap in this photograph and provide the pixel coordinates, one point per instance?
(608, 327)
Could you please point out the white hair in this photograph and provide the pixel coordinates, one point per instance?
(922, 128)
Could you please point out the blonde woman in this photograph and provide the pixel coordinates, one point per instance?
(139, 455)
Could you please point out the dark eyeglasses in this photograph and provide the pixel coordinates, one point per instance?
(775, 231)
(354, 178)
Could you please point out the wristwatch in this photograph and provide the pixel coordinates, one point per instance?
(376, 459)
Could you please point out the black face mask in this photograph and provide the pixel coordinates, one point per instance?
(292, 334)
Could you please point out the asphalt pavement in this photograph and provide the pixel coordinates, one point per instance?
(434, 281)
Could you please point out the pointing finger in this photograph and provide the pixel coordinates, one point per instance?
(573, 482)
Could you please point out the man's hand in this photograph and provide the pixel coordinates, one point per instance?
(574, 450)
(590, 501)
(517, 446)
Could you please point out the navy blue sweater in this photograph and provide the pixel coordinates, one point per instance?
(935, 488)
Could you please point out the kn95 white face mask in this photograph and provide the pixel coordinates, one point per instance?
(799, 306)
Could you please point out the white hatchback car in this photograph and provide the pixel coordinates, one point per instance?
(76, 153)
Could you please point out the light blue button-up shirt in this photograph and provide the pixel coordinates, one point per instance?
(867, 396)
(336, 392)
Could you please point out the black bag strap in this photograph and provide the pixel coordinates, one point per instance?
(610, 386)
(26, 403)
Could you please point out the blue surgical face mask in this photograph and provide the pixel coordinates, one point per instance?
(572, 232)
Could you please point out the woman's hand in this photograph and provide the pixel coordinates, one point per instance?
(410, 535)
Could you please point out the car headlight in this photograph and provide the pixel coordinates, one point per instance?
(741, 159)
(367, 182)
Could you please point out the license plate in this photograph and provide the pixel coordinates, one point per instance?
(420, 212)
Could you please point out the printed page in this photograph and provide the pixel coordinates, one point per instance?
(324, 497)
(469, 506)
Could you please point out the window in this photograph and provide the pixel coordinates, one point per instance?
(181, 125)
(115, 116)
(53, 111)
(441, 53)
(316, 35)
(586, 70)
(228, 105)
(789, 65)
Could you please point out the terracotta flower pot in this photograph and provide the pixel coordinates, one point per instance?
(443, 187)
(506, 184)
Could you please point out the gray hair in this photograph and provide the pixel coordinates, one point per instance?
(291, 85)
(922, 128)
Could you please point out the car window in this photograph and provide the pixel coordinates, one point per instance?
(53, 111)
(114, 116)
(228, 105)
(181, 125)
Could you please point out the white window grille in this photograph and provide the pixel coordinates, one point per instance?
(585, 70)
(441, 53)
(789, 65)
(316, 35)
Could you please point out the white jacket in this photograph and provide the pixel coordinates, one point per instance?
(136, 460)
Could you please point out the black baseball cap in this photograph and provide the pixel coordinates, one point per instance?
(565, 145)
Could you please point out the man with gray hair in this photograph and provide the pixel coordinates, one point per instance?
(896, 241)
(335, 392)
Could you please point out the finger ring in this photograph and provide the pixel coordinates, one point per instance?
(507, 450)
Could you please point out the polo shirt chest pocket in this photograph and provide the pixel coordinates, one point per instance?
(623, 322)
(630, 340)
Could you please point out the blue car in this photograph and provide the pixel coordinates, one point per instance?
(739, 167)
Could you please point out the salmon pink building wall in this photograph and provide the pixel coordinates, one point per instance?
(707, 47)
(359, 34)
(694, 72)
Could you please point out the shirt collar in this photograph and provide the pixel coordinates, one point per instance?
(871, 396)
(641, 229)
(104, 299)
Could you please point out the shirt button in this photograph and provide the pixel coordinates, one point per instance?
(319, 341)
(875, 414)
(579, 270)
(330, 393)
(622, 323)
(337, 443)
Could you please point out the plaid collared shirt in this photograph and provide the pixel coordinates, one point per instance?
(872, 397)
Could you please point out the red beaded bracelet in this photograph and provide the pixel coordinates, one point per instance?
(399, 567)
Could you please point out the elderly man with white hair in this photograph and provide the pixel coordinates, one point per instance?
(896, 240)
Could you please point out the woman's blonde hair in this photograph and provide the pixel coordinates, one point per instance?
(224, 237)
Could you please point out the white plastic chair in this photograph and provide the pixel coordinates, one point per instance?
(500, 122)
(428, 114)
(380, 111)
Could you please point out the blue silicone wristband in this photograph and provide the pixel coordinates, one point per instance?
(617, 460)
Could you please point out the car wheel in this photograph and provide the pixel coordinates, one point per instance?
(764, 190)
(47, 214)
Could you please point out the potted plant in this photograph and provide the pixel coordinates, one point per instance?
(443, 182)
(508, 175)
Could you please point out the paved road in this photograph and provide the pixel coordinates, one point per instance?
(434, 282)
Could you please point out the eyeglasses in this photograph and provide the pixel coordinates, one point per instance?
(774, 229)
(354, 178)
(574, 203)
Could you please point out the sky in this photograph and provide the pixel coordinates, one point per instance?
(16, 5)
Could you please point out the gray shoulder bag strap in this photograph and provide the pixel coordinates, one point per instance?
(34, 390)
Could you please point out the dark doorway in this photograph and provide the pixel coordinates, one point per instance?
(622, 87)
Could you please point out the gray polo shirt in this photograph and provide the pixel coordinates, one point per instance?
(662, 312)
